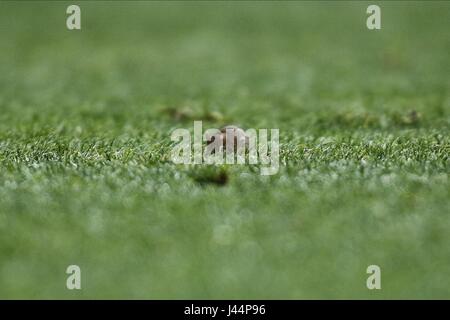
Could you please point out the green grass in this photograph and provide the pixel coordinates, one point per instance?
(86, 178)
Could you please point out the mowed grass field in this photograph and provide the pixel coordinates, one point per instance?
(86, 176)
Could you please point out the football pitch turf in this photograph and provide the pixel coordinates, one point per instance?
(85, 171)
